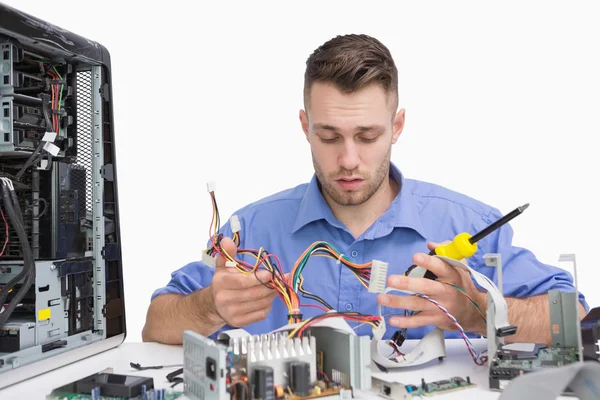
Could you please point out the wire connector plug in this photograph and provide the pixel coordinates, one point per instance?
(210, 186)
(378, 276)
(380, 330)
(209, 260)
(229, 264)
(234, 222)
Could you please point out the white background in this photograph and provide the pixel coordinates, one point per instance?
(506, 93)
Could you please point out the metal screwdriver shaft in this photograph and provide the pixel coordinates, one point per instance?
(514, 213)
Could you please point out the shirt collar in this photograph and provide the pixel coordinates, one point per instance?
(403, 212)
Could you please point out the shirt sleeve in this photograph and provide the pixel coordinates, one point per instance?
(193, 276)
(523, 275)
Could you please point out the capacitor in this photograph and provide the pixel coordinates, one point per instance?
(263, 383)
(241, 392)
(300, 378)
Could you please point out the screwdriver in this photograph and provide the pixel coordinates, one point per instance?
(465, 245)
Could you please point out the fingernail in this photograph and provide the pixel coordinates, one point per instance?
(418, 259)
(384, 300)
(394, 321)
(395, 281)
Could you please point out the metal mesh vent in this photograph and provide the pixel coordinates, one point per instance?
(84, 131)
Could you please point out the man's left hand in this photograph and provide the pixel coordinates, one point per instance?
(458, 304)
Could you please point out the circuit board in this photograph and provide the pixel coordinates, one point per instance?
(398, 391)
(439, 387)
(159, 394)
(545, 357)
(508, 364)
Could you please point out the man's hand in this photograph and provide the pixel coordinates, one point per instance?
(240, 299)
(447, 296)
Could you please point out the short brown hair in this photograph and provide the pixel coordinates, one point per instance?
(351, 63)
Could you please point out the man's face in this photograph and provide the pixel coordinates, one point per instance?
(351, 137)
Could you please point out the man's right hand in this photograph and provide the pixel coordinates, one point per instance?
(240, 299)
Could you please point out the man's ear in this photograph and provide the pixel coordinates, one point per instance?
(398, 125)
(304, 122)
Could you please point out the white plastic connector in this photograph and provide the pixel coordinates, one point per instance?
(378, 276)
(210, 186)
(230, 264)
(49, 137)
(234, 222)
(380, 330)
(209, 260)
(51, 148)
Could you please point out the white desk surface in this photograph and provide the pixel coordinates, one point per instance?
(457, 363)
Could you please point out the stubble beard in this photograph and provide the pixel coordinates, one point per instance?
(352, 198)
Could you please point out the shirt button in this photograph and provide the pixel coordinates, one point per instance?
(354, 253)
(348, 306)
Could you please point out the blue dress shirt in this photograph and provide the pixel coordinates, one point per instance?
(286, 223)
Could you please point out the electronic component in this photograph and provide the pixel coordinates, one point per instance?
(111, 386)
(263, 383)
(378, 279)
(438, 387)
(234, 223)
(389, 390)
(299, 378)
(398, 391)
(17, 334)
(61, 267)
(275, 366)
(346, 357)
(508, 363)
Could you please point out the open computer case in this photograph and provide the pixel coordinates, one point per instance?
(61, 279)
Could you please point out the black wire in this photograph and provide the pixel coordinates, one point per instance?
(261, 282)
(28, 262)
(335, 314)
(316, 298)
(30, 160)
(11, 213)
(218, 221)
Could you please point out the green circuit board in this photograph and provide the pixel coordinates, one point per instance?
(439, 387)
(546, 358)
(150, 395)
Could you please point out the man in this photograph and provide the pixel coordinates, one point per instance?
(360, 203)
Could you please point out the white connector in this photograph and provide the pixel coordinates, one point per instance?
(230, 264)
(49, 137)
(380, 330)
(210, 186)
(209, 260)
(51, 148)
(234, 222)
(378, 276)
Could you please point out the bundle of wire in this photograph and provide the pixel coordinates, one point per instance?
(478, 358)
(57, 85)
(324, 249)
(348, 316)
(10, 203)
(263, 258)
(287, 288)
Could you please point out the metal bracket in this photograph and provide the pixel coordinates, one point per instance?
(571, 258)
(493, 339)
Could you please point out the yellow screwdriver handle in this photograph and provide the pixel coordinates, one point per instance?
(459, 248)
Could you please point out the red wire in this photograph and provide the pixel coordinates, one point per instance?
(358, 318)
(315, 306)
